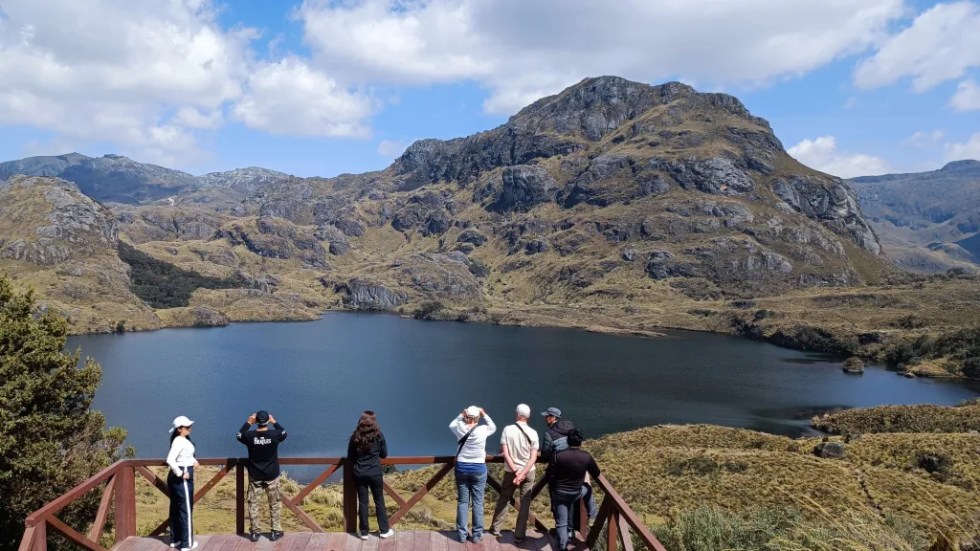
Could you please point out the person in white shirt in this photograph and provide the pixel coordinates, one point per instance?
(180, 482)
(471, 429)
(519, 445)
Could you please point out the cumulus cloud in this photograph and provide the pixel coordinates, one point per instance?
(288, 97)
(967, 97)
(922, 139)
(822, 154)
(523, 50)
(941, 44)
(147, 76)
(969, 149)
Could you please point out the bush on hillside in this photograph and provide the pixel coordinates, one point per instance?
(51, 439)
(163, 285)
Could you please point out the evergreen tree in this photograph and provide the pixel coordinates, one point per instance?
(50, 440)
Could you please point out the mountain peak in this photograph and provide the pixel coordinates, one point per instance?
(957, 166)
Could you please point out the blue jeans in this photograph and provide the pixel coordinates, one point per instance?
(563, 506)
(469, 488)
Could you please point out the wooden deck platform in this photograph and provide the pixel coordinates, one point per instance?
(337, 541)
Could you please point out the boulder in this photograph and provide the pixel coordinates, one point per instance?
(829, 450)
(853, 366)
(362, 294)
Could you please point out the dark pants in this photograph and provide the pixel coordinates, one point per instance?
(563, 506)
(181, 508)
(588, 497)
(376, 485)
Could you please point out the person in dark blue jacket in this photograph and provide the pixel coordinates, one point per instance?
(366, 449)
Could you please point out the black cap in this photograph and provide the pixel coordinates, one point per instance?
(262, 417)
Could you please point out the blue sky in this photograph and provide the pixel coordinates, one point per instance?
(320, 87)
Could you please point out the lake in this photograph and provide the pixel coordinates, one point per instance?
(316, 377)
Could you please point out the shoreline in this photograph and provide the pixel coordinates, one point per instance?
(523, 318)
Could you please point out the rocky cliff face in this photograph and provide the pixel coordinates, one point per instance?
(49, 221)
(611, 192)
(928, 221)
(63, 244)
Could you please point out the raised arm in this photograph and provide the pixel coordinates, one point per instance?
(491, 427)
(458, 427)
(241, 432)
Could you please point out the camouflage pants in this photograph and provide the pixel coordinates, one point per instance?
(271, 489)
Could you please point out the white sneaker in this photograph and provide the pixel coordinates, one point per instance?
(362, 535)
(193, 546)
(387, 534)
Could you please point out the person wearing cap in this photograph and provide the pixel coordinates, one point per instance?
(471, 428)
(519, 445)
(565, 476)
(556, 440)
(180, 482)
(556, 436)
(263, 469)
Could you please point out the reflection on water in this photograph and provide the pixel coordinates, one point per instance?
(316, 377)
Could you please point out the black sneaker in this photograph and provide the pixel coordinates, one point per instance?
(276, 534)
(254, 536)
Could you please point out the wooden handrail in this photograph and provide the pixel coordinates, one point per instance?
(615, 515)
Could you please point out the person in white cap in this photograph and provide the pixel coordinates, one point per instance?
(471, 467)
(180, 482)
(519, 445)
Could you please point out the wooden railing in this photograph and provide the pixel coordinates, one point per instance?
(118, 485)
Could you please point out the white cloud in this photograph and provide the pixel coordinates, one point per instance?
(822, 154)
(969, 149)
(523, 50)
(941, 44)
(148, 77)
(393, 148)
(967, 97)
(288, 97)
(922, 139)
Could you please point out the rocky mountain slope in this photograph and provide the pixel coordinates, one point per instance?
(64, 245)
(612, 194)
(927, 221)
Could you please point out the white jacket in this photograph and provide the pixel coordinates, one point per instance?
(181, 455)
(475, 448)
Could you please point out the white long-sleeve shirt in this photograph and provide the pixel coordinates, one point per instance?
(181, 455)
(475, 448)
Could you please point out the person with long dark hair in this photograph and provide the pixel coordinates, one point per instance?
(365, 450)
(180, 482)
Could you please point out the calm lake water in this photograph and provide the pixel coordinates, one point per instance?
(316, 377)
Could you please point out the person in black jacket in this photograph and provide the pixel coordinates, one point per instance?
(366, 449)
(263, 469)
(565, 476)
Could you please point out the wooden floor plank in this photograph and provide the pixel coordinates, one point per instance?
(338, 541)
(319, 542)
(371, 544)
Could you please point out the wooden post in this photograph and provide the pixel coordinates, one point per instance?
(125, 502)
(41, 536)
(350, 498)
(612, 532)
(583, 519)
(239, 497)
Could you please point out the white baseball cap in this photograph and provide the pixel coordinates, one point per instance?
(180, 421)
(523, 410)
(472, 411)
